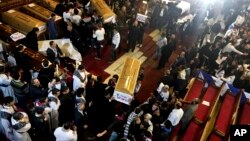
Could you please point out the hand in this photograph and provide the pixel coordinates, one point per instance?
(74, 128)
(99, 135)
(245, 54)
(85, 126)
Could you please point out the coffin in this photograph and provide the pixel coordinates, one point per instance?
(7, 33)
(103, 10)
(22, 22)
(38, 12)
(49, 4)
(64, 44)
(124, 90)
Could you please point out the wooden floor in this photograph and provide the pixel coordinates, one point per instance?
(145, 54)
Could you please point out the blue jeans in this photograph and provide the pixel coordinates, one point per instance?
(158, 52)
(113, 136)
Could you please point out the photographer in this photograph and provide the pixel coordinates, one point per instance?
(66, 133)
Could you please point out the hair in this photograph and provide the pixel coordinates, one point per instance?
(19, 48)
(8, 99)
(45, 63)
(39, 110)
(137, 110)
(57, 79)
(67, 125)
(35, 29)
(99, 78)
(76, 12)
(79, 92)
(53, 15)
(80, 67)
(116, 76)
(2, 69)
(16, 75)
(178, 105)
(18, 116)
(51, 43)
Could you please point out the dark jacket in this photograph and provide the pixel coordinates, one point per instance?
(45, 76)
(51, 55)
(32, 41)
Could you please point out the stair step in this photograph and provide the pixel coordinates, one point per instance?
(146, 47)
(156, 38)
(150, 51)
(138, 54)
(143, 59)
(154, 33)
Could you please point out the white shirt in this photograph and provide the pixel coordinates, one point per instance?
(67, 16)
(175, 116)
(77, 82)
(99, 34)
(162, 12)
(116, 39)
(231, 33)
(164, 95)
(76, 19)
(65, 135)
(239, 20)
(230, 48)
(54, 105)
(229, 79)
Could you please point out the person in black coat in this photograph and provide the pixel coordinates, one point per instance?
(75, 38)
(46, 74)
(53, 52)
(40, 125)
(66, 109)
(36, 91)
(60, 8)
(133, 36)
(31, 39)
(81, 120)
(166, 51)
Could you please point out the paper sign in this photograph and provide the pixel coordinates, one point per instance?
(31, 5)
(205, 103)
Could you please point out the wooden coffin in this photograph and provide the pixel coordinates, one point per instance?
(49, 4)
(22, 22)
(103, 10)
(6, 31)
(38, 12)
(124, 90)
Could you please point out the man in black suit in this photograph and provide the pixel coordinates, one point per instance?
(80, 120)
(166, 51)
(46, 74)
(31, 39)
(53, 52)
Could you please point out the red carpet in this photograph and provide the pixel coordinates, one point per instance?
(245, 116)
(175, 132)
(215, 137)
(225, 114)
(195, 90)
(193, 132)
(203, 110)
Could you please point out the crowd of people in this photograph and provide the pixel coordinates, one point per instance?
(39, 106)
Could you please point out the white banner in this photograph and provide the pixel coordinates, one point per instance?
(141, 18)
(122, 97)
